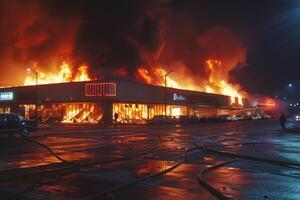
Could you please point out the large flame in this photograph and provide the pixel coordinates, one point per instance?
(216, 81)
(65, 74)
(73, 113)
(83, 113)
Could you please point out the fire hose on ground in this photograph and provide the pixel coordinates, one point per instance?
(124, 185)
(252, 158)
(75, 165)
(206, 185)
(119, 187)
(216, 193)
(233, 156)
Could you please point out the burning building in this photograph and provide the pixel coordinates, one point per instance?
(98, 101)
(71, 96)
(268, 105)
(136, 41)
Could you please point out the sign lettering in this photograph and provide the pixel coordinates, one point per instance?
(177, 97)
(6, 96)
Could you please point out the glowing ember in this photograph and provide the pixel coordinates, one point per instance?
(216, 82)
(65, 74)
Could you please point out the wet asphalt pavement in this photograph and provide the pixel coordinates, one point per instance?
(234, 160)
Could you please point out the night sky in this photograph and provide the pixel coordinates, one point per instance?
(109, 35)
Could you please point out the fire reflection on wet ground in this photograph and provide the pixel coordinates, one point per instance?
(239, 180)
(71, 149)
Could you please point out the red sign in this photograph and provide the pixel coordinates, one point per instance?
(100, 89)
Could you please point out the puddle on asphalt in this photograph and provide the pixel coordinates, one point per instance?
(39, 156)
(32, 155)
(242, 181)
(222, 179)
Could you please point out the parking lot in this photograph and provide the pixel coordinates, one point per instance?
(229, 160)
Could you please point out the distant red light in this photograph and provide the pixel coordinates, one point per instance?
(270, 104)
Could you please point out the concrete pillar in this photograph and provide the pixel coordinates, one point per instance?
(107, 113)
(14, 108)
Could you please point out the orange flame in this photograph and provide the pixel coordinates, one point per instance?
(82, 74)
(156, 77)
(65, 74)
(219, 84)
(216, 82)
(73, 114)
(87, 113)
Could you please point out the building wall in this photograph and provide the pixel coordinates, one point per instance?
(129, 92)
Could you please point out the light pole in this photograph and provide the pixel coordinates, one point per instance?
(36, 83)
(166, 75)
(35, 72)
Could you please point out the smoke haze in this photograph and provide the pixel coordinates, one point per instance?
(109, 36)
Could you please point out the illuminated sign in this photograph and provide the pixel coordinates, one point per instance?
(177, 97)
(6, 96)
(100, 89)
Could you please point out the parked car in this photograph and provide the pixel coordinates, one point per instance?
(248, 117)
(235, 118)
(232, 118)
(14, 123)
(256, 117)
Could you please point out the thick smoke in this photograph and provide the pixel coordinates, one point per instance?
(191, 43)
(108, 36)
(117, 34)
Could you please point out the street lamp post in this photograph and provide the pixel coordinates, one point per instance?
(36, 74)
(165, 99)
(36, 83)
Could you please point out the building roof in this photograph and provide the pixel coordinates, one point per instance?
(126, 91)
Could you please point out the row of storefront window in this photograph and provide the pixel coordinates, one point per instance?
(125, 112)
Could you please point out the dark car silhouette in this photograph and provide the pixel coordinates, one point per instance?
(11, 123)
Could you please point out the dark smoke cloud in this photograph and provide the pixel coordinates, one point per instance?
(193, 41)
(115, 34)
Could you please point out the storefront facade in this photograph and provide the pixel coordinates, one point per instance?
(100, 101)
